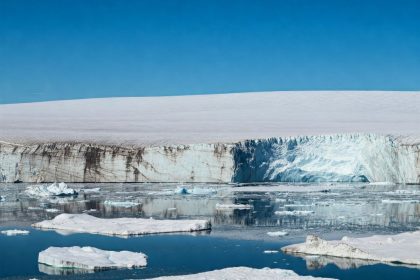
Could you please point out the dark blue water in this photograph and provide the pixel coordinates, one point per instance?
(174, 255)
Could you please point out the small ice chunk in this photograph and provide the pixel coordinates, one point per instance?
(123, 204)
(91, 258)
(2, 198)
(120, 226)
(232, 206)
(52, 210)
(270, 252)
(54, 189)
(399, 248)
(243, 273)
(277, 233)
(92, 190)
(294, 213)
(12, 232)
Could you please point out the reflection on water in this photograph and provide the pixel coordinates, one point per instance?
(51, 270)
(352, 208)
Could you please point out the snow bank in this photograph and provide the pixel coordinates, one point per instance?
(242, 273)
(400, 248)
(12, 232)
(90, 258)
(54, 189)
(120, 226)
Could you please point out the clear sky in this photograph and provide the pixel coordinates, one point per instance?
(84, 48)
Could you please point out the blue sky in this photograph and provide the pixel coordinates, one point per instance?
(84, 48)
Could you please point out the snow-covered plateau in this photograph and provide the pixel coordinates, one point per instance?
(250, 137)
(401, 248)
(90, 258)
(242, 273)
(120, 226)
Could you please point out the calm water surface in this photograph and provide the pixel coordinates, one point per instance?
(238, 237)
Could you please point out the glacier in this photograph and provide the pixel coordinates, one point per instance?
(318, 136)
(355, 157)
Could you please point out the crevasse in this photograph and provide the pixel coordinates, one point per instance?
(329, 158)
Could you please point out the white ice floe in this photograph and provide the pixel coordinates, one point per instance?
(277, 233)
(90, 258)
(242, 273)
(54, 189)
(92, 190)
(122, 204)
(12, 232)
(2, 198)
(233, 206)
(52, 210)
(120, 226)
(393, 201)
(270, 252)
(400, 248)
(294, 213)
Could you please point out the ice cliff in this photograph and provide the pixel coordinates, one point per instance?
(329, 158)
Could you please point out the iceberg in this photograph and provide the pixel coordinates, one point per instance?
(90, 258)
(54, 189)
(194, 191)
(277, 233)
(12, 232)
(401, 248)
(121, 226)
(243, 273)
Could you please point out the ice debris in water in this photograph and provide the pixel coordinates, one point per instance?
(120, 226)
(12, 232)
(195, 191)
(122, 204)
(91, 258)
(2, 198)
(277, 233)
(401, 248)
(243, 273)
(92, 190)
(54, 189)
(294, 213)
(271, 252)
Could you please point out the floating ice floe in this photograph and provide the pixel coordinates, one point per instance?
(123, 204)
(54, 189)
(400, 248)
(242, 273)
(120, 226)
(2, 198)
(277, 233)
(394, 201)
(92, 190)
(90, 258)
(233, 206)
(294, 213)
(52, 210)
(270, 252)
(12, 232)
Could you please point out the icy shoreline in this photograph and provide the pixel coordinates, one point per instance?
(120, 226)
(401, 248)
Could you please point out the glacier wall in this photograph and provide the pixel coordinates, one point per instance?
(77, 162)
(330, 158)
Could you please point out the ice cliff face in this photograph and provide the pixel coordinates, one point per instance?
(332, 158)
(70, 162)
